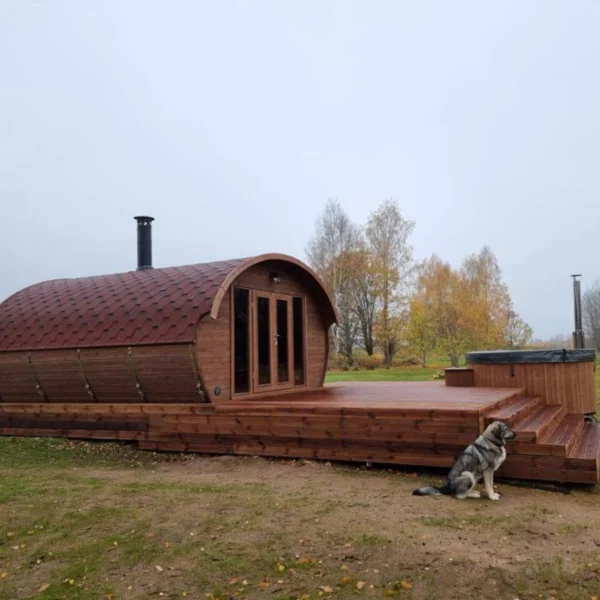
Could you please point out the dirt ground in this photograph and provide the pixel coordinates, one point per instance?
(234, 527)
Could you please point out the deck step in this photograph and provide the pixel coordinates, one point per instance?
(586, 452)
(539, 424)
(515, 412)
(559, 442)
(566, 433)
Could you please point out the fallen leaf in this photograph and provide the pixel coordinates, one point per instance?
(10, 534)
(406, 585)
(346, 580)
(159, 568)
(327, 589)
(234, 581)
(281, 568)
(360, 585)
(44, 587)
(264, 585)
(344, 568)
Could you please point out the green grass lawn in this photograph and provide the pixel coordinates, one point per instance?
(391, 374)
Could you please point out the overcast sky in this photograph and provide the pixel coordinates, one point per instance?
(232, 123)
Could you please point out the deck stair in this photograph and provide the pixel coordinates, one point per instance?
(550, 444)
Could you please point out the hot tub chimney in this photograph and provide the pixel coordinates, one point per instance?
(144, 242)
(578, 335)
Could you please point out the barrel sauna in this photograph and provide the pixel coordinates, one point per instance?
(202, 333)
(561, 377)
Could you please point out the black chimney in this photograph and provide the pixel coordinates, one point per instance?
(144, 242)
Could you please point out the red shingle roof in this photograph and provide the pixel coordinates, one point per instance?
(138, 307)
(124, 309)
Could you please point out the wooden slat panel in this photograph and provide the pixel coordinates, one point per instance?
(571, 385)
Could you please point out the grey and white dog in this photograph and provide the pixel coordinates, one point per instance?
(479, 460)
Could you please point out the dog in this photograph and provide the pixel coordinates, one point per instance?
(479, 460)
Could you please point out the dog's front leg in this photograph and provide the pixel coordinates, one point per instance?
(488, 478)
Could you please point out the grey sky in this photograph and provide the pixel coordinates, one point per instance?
(232, 123)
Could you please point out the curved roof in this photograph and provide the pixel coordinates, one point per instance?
(126, 309)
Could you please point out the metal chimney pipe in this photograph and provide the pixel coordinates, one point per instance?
(578, 335)
(144, 242)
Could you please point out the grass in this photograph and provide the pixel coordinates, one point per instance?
(104, 521)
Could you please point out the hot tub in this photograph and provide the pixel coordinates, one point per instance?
(565, 377)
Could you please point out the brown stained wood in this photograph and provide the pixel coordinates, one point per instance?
(419, 437)
(571, 385)
(305, 424)
(588, 444)
(515, 412)
(424, 424)
(214, 335)
(556, 475)
(108, 409)
(566, 433)
(459, 377)
(84, 434)
(164, 371)
(72, 423)
(539, 424)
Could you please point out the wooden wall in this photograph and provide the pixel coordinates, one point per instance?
(214, 342)
(572, 385)
(165, 374)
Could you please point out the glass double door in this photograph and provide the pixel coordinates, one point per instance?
(268, 341)
(273, 341)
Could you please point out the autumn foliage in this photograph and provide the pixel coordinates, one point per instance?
(387, 301)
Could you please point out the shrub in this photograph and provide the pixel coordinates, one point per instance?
(373, 362)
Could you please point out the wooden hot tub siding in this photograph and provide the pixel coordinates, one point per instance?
(571, 385)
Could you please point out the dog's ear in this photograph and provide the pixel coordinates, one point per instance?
(497, 430)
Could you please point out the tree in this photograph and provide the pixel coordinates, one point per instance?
(335, 236)
(363, 294)
(420, 330)
(591, 315)
(387, 234)
(483, 276)
(517, 333)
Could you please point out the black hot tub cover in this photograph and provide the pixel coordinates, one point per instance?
(503, 357)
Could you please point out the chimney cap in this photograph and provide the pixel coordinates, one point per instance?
(144, 218)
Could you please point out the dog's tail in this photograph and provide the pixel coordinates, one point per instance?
(431, 491)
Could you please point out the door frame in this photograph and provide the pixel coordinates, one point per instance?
(274, 384)
(256, 390)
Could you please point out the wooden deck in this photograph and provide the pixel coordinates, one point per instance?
(421, 424)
